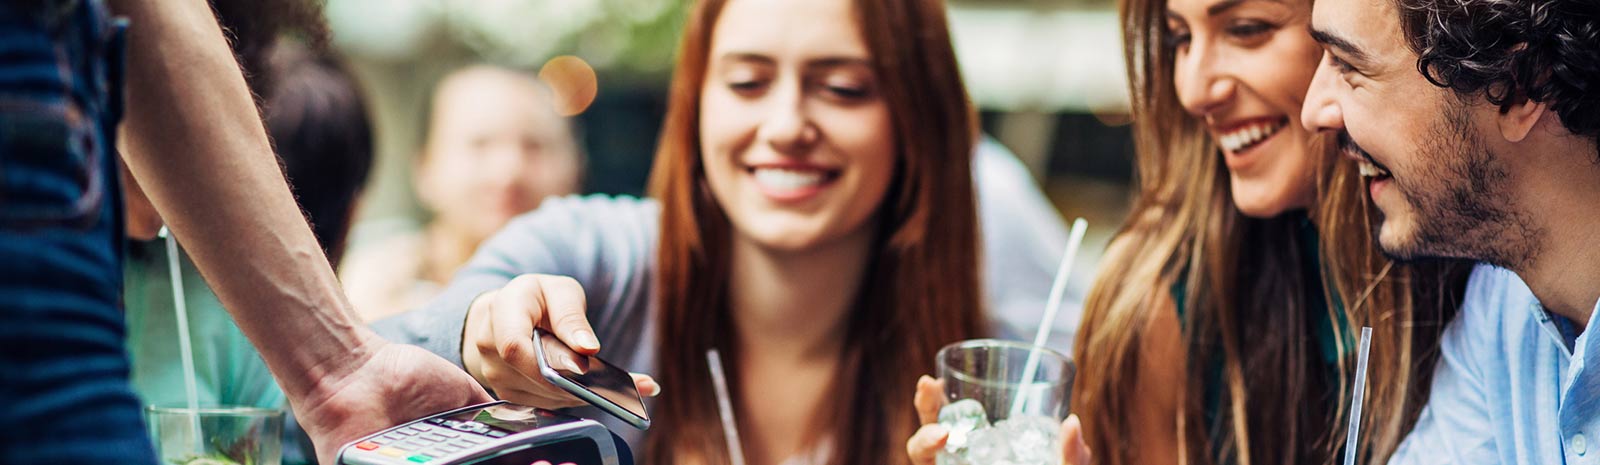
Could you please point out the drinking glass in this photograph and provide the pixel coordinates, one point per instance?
(999, 410)
(228, 435)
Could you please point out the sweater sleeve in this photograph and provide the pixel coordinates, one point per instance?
(605, 243)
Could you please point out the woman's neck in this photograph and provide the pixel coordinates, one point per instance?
(445, 250)
(796, 302)
(790, 312)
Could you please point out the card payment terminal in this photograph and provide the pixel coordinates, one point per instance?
(496, 433)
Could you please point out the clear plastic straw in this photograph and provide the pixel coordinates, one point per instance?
(185, 345)
(1058, 290)
(730, 428)
(1356, 401)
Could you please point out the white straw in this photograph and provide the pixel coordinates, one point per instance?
(730, 429)
(185, 346)
(1360, 392)
(1058, 290)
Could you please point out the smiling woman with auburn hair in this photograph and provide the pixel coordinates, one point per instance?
(813, 218)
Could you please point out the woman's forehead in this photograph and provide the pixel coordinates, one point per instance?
(788, 30)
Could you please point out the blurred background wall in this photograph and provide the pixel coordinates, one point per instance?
(1047, 75)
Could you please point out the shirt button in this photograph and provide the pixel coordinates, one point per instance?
(1579, 444)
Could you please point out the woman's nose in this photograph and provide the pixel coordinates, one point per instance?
(1203, 85)
(788, 127)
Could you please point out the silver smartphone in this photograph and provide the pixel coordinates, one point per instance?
(598, 382)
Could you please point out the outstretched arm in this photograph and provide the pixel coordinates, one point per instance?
(194, 141)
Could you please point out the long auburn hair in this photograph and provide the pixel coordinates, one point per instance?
(921, 290)
(1246, 291)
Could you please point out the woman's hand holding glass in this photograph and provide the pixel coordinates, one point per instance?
(497, 344)
(924, 446)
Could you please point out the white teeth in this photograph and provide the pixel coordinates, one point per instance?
(1370, 170)
(786, 179)
(1247, 136)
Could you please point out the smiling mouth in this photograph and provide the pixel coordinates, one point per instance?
(1250, 135)
(1369, 167)
(792, 179)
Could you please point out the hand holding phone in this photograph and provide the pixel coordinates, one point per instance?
(601, 384)
(498, 346)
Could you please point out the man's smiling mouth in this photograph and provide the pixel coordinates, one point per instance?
(1370, 168)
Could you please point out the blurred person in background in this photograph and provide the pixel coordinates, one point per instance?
(1023, 243)
(494, 148)
(194, 141)
(1220, 329)
(317, 119)
(814, 220)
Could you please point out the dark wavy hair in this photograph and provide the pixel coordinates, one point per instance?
(1508, 50)
(254, 26)
(316, 115)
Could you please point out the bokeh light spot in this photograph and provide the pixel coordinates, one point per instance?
(573, 82)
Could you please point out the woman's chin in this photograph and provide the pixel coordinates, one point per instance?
(784, 242)
(1256, 200)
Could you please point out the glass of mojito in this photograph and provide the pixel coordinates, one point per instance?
(217, 435)
(1004, 402)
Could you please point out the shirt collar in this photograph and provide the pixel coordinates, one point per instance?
(1555, 327)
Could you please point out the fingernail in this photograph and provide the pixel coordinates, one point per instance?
(657, 389)
(572, 365)
(585, 340)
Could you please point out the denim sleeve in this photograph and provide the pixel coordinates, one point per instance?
(604, 243)
(1456, 425)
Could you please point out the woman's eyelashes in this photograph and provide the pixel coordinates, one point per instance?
(846, 91)
(1246, 31)
(746, 86)
(746, 80)
(1177, 40)
(1250, 30)
(1176, 35)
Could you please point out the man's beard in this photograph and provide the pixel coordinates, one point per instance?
(1461, 199)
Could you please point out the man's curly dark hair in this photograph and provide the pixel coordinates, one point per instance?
(1508, 50)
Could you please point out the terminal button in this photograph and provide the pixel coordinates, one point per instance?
(392, 452)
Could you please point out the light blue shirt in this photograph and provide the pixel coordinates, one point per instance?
(1507, 389)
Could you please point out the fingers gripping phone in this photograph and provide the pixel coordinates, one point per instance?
(596, 381)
